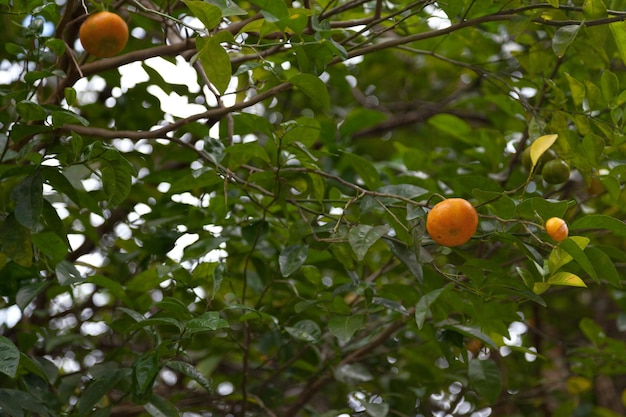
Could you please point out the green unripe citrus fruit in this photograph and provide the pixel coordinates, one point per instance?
(555, 171)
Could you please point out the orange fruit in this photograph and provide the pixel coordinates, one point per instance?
(452, 222)
(557, 229)
(103, 34)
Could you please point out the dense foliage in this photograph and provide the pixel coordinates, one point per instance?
(228, 217)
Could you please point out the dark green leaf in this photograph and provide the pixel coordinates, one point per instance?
(604, 266)
(160, 407)
(366, 170)
(145, 370)
(210, 320)
(190, 371)
(305, 330)
(363, 236)
(343, 328)
(484, 376)
(9, 357)
(408, 258)
(28, 196)
(27, 293)
(390, 304)
(291, 258)
(16, 241)
(600, 221)
(99, 388)
(423, 305)
(313, 88)
(67, 274)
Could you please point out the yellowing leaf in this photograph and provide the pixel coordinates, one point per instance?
(540, 287)
(540, 146)
(566, 278)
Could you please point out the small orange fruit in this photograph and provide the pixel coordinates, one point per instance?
(557, 229)
(452, 222)
(103, 34)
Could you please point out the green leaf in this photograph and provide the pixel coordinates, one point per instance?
(408, 258)
(609, 83)
(360, 118)
(9, 357)
(16, 241)
(98, 389)
(566, 278)
(215, 62)
(604, 266)
(452, 125)
(63, 117)
(30, 111)
(594, 9)
(594, 333)
(50, 244)
(352, 373)
(27, 293)
(577, 88)
(208, 14)
(575, 246)
(155, 321)
(145, 370)
(312, 87)
(113, 287)
(208, 321)
(560, 257)
(365, 169)
(600, 221)
(116, 179)
(484, 376)
(423, 305)
(618, 30)
(390, 305)
(305, 130)
(67, 274)
(28, 197)
(343, 328)
(242, 153)
(190, 371)
(160, 407)
(272, 10)
(376, 409)
(363, 236)
(473, 332)
(563, 38)
(228, 7)
(305, 330)
(291, 258)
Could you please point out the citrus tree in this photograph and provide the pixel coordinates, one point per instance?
(224, 207)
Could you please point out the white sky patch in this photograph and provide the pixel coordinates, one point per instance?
(438, 18)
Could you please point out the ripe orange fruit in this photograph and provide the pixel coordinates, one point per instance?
(557, 229)
(103, 34)
(452, 222)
